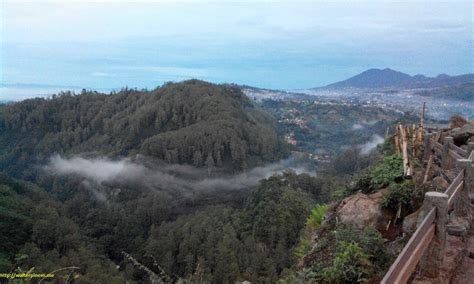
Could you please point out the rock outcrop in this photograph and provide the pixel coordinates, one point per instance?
(410, 221)
(363, 210)
(463, 135)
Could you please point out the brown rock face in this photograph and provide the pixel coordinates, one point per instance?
(362, 210)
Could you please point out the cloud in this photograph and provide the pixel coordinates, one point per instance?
(101, 74)
(99, 172)
(357, 126)
(371, 144)
(277, 44)
(172, 71)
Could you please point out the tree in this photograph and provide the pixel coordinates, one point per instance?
(209, 163)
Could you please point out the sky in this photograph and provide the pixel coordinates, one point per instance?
(271, 44)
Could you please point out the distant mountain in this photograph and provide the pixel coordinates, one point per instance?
(388, 78)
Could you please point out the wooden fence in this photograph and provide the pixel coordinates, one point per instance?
(426, 246)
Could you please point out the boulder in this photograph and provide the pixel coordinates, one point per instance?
(362, 210)
(419, 175)
(418, 194)
(439, 184)
(456, 230)
(409, 222)
(462, 135)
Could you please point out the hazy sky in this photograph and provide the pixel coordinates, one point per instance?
(273, 44)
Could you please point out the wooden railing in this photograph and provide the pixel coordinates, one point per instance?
(432, 228)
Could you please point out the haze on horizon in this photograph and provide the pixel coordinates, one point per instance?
(270, 44)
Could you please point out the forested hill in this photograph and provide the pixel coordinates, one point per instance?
(192, 122)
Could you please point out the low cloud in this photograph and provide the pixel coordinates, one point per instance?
(357, 126)
(185, 179)
(101, 74)
(371, 144)
(98, 170)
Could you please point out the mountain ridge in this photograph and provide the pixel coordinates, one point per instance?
(388, 78)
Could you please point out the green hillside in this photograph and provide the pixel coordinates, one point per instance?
(192, 122)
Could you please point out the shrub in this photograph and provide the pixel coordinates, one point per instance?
(339, 193)
(344, 254)
(457, 121)
(303, 246)
(350, 265)
(316, 216)
(312, 222)
(388, 146)
(400, 195)
(385, 172)
(369, 239)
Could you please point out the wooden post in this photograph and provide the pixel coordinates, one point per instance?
(422, 119)
(418, 141)
(427, 150)
(406, 162)
(428, 168)
(396, 137)
(445, 154)
(463, 206)
(433, 258)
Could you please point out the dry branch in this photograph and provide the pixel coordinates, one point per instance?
(154, 278)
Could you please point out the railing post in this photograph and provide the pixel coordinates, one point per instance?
(463, 206)
(445, 154)
(427, 150)
(431, 261)
(470, 148)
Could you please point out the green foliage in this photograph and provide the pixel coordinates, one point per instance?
(15, 220)
(254, 243)
(386, 171)
(350, 265)
(339, 193)
(316, 217)
(5, 264)
(303, 247)
(388, 146)
(35, 233)
(370, 240)
(400, 195)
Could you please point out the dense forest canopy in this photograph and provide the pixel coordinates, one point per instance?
(72, 220)
(192, 122)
